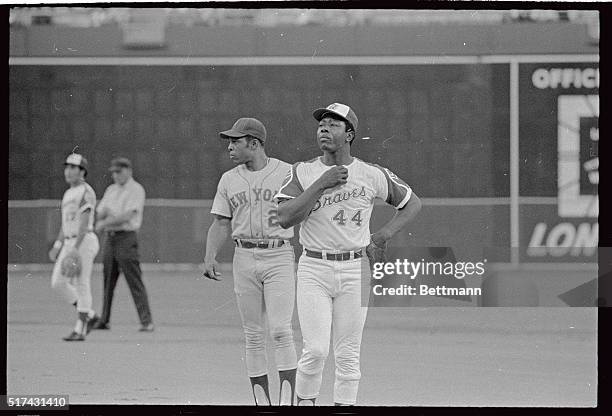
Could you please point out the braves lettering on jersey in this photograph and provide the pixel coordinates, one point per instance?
(247, 197)
(76, 201)
(340, 219)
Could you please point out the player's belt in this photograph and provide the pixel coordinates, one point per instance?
(260, 243)
(118, 232)
(68, 237)
(349, 255)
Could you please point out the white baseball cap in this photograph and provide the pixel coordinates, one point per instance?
(342, 110)
(76, 160)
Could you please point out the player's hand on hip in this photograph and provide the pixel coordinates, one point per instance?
(210, 270)
(334, 176)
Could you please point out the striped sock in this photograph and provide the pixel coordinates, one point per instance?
(81, 323)
(306, 402)
(261, 392)
(287, 387)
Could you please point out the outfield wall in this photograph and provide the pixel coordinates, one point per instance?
(499, 137)
(520, 136)
(177, 234)
(442, 128)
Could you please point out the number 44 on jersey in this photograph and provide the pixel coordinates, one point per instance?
(341, 218)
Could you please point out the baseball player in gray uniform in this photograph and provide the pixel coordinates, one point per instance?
(264, 261)
(76, 234)
(333, 197)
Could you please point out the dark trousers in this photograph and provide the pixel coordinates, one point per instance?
(121, 255)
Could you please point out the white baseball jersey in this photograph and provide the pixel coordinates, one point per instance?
(340, 219)
(76, 201)
(247, 197)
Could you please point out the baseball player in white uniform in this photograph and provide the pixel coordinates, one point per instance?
(264, 261)
(333, 196)
(76, 233)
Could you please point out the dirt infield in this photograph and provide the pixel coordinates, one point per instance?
(453, 356)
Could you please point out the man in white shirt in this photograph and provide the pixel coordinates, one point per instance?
(119, 215)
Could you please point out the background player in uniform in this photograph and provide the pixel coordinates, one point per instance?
(333, 197)
(264, 261)
(76, 234)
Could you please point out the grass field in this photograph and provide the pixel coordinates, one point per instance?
(411, 356)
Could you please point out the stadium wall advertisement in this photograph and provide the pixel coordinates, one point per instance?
(457, 154)
(559, 109)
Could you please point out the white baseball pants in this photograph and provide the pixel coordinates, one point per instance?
(264, 283)
(80, 292)
(329, 301)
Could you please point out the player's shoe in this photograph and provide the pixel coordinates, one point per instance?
(93, 321)
(74, 336)
(100, 325)
(147, 328)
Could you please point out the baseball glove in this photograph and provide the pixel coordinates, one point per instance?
(376, 253)
(71, 265)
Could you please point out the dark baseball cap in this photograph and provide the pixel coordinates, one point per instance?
(341, 110)
(77, 160)
(119, 163)
(246, 126)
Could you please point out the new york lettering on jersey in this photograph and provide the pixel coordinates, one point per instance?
(76, 201)
(340, 219)
(247, 198)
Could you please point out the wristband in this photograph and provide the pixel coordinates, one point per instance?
(57, 244)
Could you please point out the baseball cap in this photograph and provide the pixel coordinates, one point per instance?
(342, 110)
(120, 163)
(76, 160)
(246, 126)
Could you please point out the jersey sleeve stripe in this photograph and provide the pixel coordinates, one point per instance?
(406, 198)
(85, 203)
(292, 186)
(85, 207)
(84, 196)
(392, 186)
(408, 190)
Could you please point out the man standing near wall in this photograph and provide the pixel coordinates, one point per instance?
(76, 238)
(119, 215)
(333, 197)
(264, 261)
